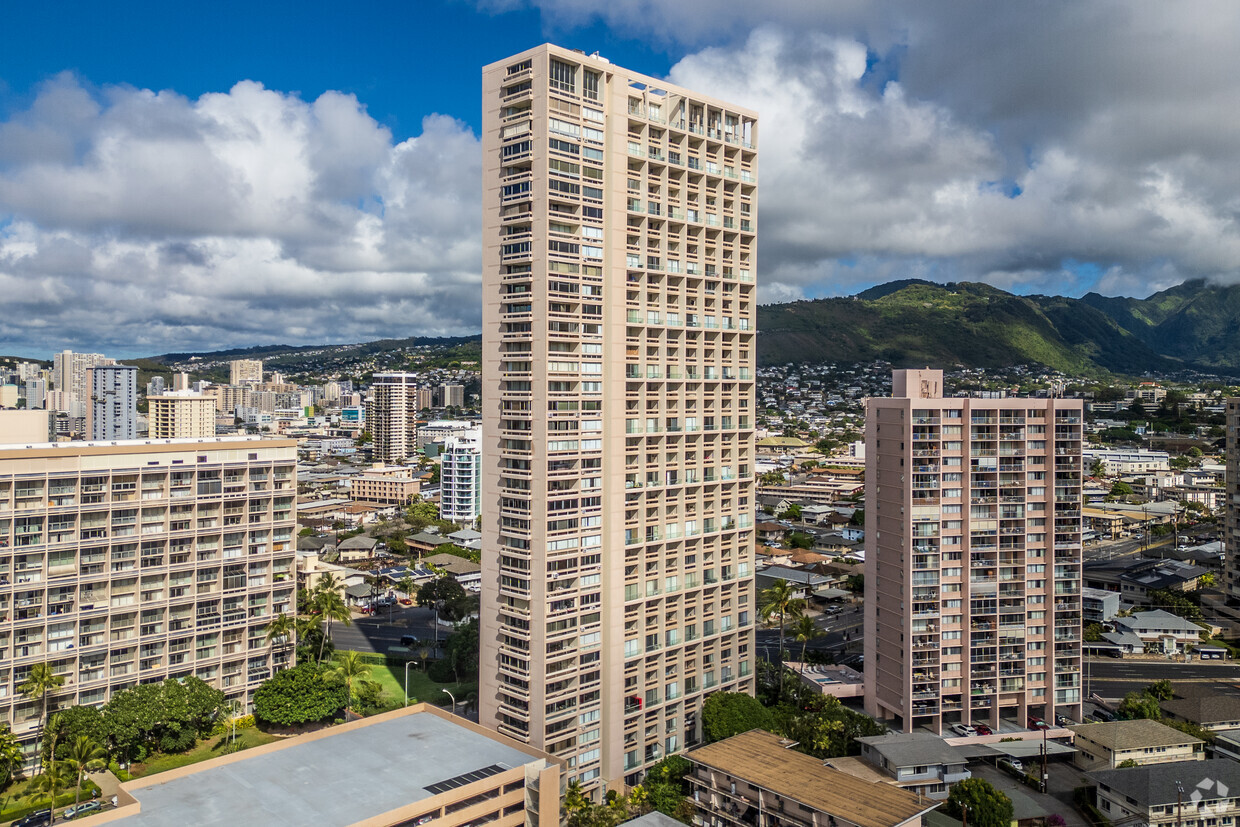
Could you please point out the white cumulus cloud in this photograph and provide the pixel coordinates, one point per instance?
(140, 221)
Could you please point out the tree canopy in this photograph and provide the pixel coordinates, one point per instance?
(987, 806)
(299, 695)
(730, 713)
(169, 716)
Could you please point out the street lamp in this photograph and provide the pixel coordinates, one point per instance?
(407, 680)
(453, 697)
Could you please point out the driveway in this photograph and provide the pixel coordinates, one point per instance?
(1030, 802)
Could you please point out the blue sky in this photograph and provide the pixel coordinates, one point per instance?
(371, 50)
(200, 176)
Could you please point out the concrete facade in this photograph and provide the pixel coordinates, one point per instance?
(973, 557)
(112, 409)
(181, 415)
(618, 373)
(138, 561)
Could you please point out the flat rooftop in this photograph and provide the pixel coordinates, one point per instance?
(337, 776)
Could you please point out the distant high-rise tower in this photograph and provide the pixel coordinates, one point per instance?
(618, 379)
(112, 412)
(181, 415)
(245, 371)
(392, 416)
(69, 377)
(453, 396)
(973, 557)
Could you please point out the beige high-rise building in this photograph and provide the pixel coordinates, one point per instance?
(618, 379)
(128, 562)
(973, 557)
(245, 371)
(69, 377)
(392, 416)
(181, 415)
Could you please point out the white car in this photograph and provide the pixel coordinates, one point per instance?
(963, 729)
(1016, 764)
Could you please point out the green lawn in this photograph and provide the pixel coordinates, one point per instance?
(211, 747)
(421, 687)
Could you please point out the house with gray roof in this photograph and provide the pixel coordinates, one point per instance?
(1160, 630)
(1165, 793)
(919, 762)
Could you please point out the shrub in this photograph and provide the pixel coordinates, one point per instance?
(299, 695)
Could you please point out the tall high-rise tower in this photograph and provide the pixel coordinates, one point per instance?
(1231, 533)
(112, 408)
(392, 416)
(618, 379)
(973, 557)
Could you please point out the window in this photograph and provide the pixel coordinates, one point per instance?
(590, 84)
(563, 75)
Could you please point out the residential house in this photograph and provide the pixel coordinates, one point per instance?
(1212, 712)
(805, 582)
(1185, 793)
(1160, 631)
(919, 762)
(1107, 745)
(357, 548)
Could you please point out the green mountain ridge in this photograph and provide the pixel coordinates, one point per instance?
(972, 324)
(910, 322)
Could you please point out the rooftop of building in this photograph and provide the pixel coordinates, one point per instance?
(1159, 784)
(1204, 709)
(121, 445)
(1126, 735)
(1157, 619)
(767, 761)
(910, 749)
(338, 776)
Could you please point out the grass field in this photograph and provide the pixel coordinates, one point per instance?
(211, 747)
(421, 687)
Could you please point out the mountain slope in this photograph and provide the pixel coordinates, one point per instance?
(1194, 321)
(971, 324)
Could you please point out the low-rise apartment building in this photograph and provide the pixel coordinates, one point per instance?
(1107, 745)
(395, 485)
(181, 415)
(756, 779)
(920, 762)
(134, 561)
(1185, 794)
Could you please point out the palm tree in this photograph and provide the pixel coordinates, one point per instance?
(803, 631)
(85, 754)
(40, 683)
(327, 583)
(779, 599)
(350, 669)
(51, 783)
(11, 756)
(331, 607)
(280, 627)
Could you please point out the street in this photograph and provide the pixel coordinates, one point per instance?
(836, 626)
(376, 634)
(1114, 678)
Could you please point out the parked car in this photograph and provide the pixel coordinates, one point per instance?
(36, 819)
(982, 729)
(84, 809)
(1103, 715)
(963, 729)
(1034, 722)
(1016, 764)
(408, 640)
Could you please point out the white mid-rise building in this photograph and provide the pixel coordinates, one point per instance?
(460, 477)
(181, 415)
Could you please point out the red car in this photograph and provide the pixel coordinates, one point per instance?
(1035, 722)
(982, 729)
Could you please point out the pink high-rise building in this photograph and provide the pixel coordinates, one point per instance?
(973, 557)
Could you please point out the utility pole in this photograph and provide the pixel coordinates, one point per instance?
(1179, 804)
(1045, 776)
